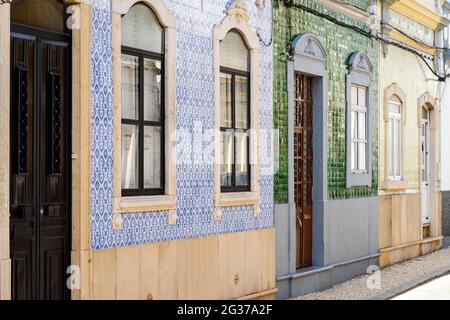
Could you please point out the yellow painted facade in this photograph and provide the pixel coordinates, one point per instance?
(404, 74)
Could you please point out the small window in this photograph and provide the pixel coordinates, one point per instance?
(394, 139)
(142, 103)
(235, 114)
(358, 131)
(358, 127)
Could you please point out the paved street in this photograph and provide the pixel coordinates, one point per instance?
(395, 279)
(438, 289)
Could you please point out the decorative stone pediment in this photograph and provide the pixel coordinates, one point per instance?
(309, 45)
(238, 10)
(260, 4)
(359, 61)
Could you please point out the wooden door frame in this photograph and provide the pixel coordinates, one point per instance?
(81, 154)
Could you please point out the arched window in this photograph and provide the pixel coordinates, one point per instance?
(142, 102)
(394, 139)
(235, 113)
(359, 100)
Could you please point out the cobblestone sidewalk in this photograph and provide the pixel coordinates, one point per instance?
(393, 277)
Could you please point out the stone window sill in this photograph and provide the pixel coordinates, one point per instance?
(390, 185)
(127, 205)
(235, 199)
(146, 204)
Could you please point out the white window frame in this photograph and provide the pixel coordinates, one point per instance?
(392, 159)
(393, 93)
(359, 109)
(359, 76)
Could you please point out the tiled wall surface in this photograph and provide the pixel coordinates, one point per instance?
(195, 107)
(340, 43)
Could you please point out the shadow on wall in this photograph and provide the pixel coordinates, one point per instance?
(446, 216)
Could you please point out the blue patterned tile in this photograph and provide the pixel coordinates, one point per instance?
(194, 102)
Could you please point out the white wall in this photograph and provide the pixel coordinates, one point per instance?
(445, 123)
(445, 139)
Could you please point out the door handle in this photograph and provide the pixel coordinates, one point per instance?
(300, 222)
(41, 211)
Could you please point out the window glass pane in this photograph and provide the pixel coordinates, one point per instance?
(130, 157)
(397, 148)
(362, 156)
(152, 90)
(152, 157)
(233, 52)
(362, 96)
(241, 102)
(354, 95)
(141, 29)
(361, 125)
(394, 107)
(390, 147)
(424, 114)
(354, 125)
(225, 100)
(130, 87)
(353, 155)
(226, 158)
(242, 159)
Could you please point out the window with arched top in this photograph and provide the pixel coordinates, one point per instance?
(394, 139)
(235, 113)
(359, 107)
(142, 89)
(394, 114)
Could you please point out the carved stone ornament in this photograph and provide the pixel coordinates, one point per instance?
(260, 4)
(117, 221)
(238, 10)
(361, 62)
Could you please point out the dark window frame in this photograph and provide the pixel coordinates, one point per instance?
(141, 123)
(245, 74)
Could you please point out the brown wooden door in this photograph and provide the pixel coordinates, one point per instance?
(39, 164)
(303, 167)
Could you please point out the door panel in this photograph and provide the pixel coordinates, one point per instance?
(39, 179)
(303, 167)
(23, 214)
(425, 166)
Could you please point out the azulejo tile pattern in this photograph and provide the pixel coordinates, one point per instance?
(195, 105)
(339, 43)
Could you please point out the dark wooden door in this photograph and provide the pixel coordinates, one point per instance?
(40, 134)
(303, 167)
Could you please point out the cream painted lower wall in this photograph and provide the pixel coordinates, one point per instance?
(220, 267)
(401, 237)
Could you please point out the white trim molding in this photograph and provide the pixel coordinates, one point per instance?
(238, 18)
(394, 91)
(166, 202)
(360, 74)
(165, 16)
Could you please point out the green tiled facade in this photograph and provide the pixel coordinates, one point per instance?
(340, 42)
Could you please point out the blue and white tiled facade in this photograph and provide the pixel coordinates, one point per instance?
(195, 105)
